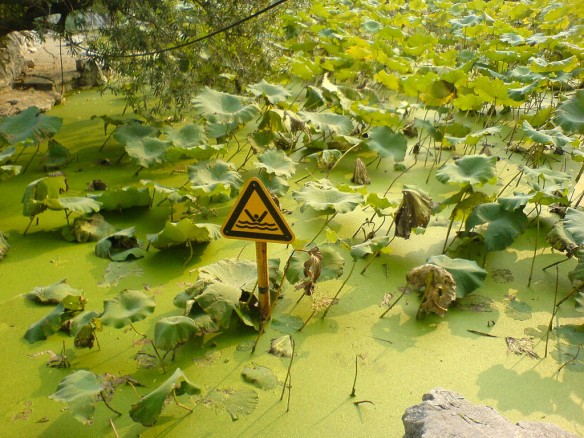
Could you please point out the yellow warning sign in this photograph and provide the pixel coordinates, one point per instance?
(256, 216)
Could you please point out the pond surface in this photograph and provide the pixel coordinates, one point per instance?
(398, 357)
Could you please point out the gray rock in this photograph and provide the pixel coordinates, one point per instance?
(447, 414)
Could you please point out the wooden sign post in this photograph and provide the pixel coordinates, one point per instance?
(255, 216)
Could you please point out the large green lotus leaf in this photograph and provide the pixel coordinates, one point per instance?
(82, 320)
(541, 65)
(414, 211)
(200, 152)
(38, 191)
(570, 114)
(4, 245)
(219, 300)
(148, 151)
(148, 409)
(88, 229)
(7, 171)
(545, 174)
(380, 204)
(328, 122)
(577, 274)
(214, 177)
(127, 307)
(79, 390)
(515, 202)
(173, 331)
(276, 162)
(241, 274)
(224, 107)
(574, 224)
(29, 127)
(370, 246)
(475, 170)
(276, 185)
(51, 323)
(237, 402)
(187, 137)
(467, 274)
(77, 204)
(57, 155)
(53, 293)
(503, 225)
(122, 198)
(220, 130)
(183, 232)
(322, 196)
(272, 93)
(387, 143)
(553, 136)
(260, 377)
(332, 264)
(134, 132)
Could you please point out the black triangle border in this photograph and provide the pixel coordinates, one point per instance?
(255, 186)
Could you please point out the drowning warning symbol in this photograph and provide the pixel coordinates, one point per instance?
(256, 217)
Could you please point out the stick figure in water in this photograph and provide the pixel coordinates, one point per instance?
(255, 217)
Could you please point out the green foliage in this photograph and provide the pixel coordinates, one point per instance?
(123, 198)
(323, 197)
(184, 232)
(466, 273)
(570, 114)
(126, 308)
(67, 308)
(387, 143)
(503, 226)
(29, 127)
(80, 391)
(475, 170)
(52, 294)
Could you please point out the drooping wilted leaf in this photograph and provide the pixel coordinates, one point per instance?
(173, 331)
(122, 198)
(219, 300)
(127, 307)
(438, 284)
(260, 377)
(282, 346)
(79, 390)
(51, 323)
(387, 143)
(503, 226)
(272, 93)
(58, 156)
(370, 246)
(52, 294)
(276, 162)
(224, 107)
(332, 264)
(120, 246)
(83, 327)
(37, 192)
(29, 127)
(148, 409)
(88, 229)
(360, 174)
(467, 275)
(183, 232)
(414, 211)
(322, 196)
(475, 170)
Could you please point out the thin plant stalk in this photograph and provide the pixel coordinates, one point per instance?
(353, 393)
(326, 222)
(452, 217)
(554, 312)
(288, 379)
(391, 306)
(179, 403)
(103, 398)
(114, 428)
(339, 291)
(538, 211)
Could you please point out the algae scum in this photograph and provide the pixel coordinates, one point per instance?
(438, 238)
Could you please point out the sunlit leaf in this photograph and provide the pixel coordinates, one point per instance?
(570, 114)
(219, 300)
(52, 294)
(77, 204)
(224, 106)
(276, 162)
(470, 169)
(370, 246)
(282, 346)
(148, 409)
(503, 226)
(173, 331)
(272, 93)
(466, 273)
(79, 390)
(127, 307)
(8, 171)
(123, 198)
(29, 127)
(324, 197)
(183, 232)
(214, 178)
(148, 151)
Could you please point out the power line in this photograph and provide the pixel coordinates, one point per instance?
(202, 38)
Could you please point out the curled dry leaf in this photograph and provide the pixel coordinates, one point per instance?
(312, 271)
(439, 288)
(414, 211)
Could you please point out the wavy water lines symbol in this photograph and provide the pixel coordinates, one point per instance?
(256, 222)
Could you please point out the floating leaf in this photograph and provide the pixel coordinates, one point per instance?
(324, 197)
(276, 162)
(127, 307)
(470, 169)
(51, 323)
(52, 294)
(184, 232)
(116, 271)
(122, 198)
(225, 107)
(236, 402)
(414, 211)
(149, 408)
(79, 390)
(219, 300)
(282, 346)
(260, 377)
(467, 275)
(120, 246)
(503, 225)
(88, 229)
(387, 143)
(29, 127)
(173, 331)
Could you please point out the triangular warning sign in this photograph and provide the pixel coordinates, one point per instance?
(256, 217)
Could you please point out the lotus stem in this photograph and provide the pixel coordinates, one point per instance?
(107, 139)
(339, 291)
(538, 211)
(28, 226)
(554, 312)
(391, 306)
(107, 404)
(353, 394)
(307, 319)
(555, 264)
(342, 156)
(31, 158)
(179, 403)
(288, 379)
(114, 428)
(326, 222)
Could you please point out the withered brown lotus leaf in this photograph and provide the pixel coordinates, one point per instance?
(439, 287)
(414, 211)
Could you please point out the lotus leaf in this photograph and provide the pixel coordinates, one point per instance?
(80, 390)
(387, 143)
(414, 211)
(325, 159)
(148, 409)
(474, 170)
(77, 204)
(219, 300)
(134, 132)
(322, 196)
(38, 191)
(122, 198)
(570, 114)
(148, 151)
(241, 274)
(574, 225)
(260, 377)
(126, 308)
(553, 136)
(282, 346)
(225, 107)
(120, 246)
(184, 232)
(57, 155)
(83, 327)
(274, 94)
(328, 122)
(370, 246)
(235, 401)
(276, 162)
(214, 178)
(52, 294)
(8, 171)
(186, 138)
(51, 323)
(29, 127)
(466, 273)
(276, 185)
(7, 153)
(173, 331)
(88, 229)
(503, 226)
